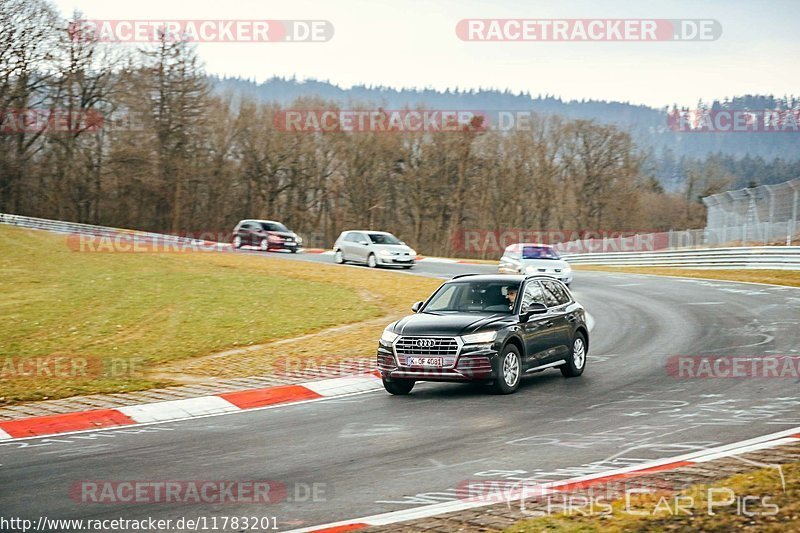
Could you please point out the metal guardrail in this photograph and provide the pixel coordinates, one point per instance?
(59, 226)
(206, 240)
(766, 257)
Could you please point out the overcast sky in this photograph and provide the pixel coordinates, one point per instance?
(409, 43)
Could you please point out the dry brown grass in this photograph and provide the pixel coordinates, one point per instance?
(391, 292)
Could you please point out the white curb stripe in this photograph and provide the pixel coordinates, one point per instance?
(173, 409)
(751, 448)
(437, 260)
(344, 385)
(4, 435)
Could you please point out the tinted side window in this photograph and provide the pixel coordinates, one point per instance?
(533, 294)
(563, 294)
(350, 237)
(557, 291)
(550, 297)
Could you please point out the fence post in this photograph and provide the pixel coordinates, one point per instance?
(724, 240)
(768, 233)
(794, 216)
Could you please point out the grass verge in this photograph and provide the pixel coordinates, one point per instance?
(79, 323)
(775, 277)
(753, 501)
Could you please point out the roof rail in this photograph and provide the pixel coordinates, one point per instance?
(464, 275)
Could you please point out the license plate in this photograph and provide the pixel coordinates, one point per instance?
(425, 361)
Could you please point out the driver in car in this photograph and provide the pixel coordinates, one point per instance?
(511, 295)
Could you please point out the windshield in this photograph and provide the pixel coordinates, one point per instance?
(274, 226)
(539, 252)
(474, 297)
(383, 238)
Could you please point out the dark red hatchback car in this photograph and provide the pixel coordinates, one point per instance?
(267, 235)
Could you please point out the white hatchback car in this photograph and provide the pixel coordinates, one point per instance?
(532, 258)
(373, 248)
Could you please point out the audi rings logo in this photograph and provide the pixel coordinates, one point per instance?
(426, 343)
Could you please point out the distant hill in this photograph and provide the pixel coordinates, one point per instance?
(647, 125)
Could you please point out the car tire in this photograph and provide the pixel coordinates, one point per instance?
(398, 387)
(372, 262)
(263, 245)
(509, 370)
(576, 363)
(294, 250)
(408, 267)
(338, 257)
(237, 242)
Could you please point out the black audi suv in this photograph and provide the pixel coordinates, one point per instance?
(489, 328)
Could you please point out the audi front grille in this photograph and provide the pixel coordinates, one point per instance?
(444, 347)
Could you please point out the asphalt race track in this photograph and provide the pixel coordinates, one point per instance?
(371, 453)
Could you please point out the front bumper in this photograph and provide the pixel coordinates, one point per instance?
(397, 260)
(283, 246)
(473, 363)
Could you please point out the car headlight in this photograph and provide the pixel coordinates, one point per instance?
(385, 253)
(413, 252)
(567, 269)
(388, 337)
(479, 338)
(299, 240)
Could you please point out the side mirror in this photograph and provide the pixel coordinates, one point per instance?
(365, 243)
(533, 309)
(417, 306)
